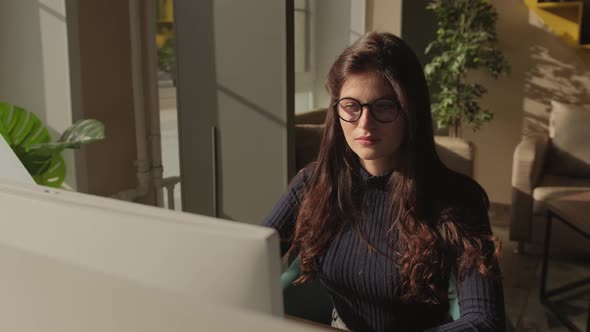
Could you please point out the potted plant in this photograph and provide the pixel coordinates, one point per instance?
(28, 137)
(465, 40)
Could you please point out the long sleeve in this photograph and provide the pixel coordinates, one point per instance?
(481, 304)
(481, 299)
(284, 213)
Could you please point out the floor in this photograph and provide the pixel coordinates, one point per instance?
(522, 281)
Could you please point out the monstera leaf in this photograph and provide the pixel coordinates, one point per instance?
(54, 174)
(28, 137)
(81, 132)
(21, 128)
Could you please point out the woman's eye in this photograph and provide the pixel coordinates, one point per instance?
(384, 107)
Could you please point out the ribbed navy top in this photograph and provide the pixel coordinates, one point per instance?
(364, 286)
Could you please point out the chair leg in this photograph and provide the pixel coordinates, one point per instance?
(519, 250)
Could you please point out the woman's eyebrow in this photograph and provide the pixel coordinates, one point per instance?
(382, 97)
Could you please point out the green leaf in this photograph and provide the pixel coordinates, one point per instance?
(466, 40)
(28, 137)
(4, 134)
(84, 131)
(36, 164)
(22, 128)
(81, 132)
(55, 174)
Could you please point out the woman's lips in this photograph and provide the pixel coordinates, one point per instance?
(368, 140)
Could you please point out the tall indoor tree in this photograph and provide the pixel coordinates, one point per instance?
(466, 40)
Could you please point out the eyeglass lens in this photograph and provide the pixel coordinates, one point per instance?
(384, 110)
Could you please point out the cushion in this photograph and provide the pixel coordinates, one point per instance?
(552, 187)
(569, 130)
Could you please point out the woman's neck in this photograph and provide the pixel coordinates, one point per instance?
(378, 167)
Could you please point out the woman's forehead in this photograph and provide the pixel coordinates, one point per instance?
(366, 86)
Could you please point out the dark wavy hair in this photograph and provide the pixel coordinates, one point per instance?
(433, 208)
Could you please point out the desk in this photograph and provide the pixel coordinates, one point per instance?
(573, 210)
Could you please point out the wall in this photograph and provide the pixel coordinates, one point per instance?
(418, 26)
(34, 64)
(233, 72)
(384, 16)
(543, 68)
(332, 33)
(358, 19)
(106, 93)
(335, 25)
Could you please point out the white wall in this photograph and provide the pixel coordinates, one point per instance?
(252, 106)
(34, 69)
(232, 75)
(332, 37)
(358, 9)
(335, 25)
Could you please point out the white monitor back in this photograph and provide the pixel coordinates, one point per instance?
(201, 258)
(42, 294)
(12, 169)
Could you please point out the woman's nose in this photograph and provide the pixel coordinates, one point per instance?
(366, 120)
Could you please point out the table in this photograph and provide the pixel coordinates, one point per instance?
(573, 210)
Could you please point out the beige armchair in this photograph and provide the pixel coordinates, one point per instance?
(547, 166)
(455, 153)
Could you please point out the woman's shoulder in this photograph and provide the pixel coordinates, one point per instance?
(306, 172)
(301, 179)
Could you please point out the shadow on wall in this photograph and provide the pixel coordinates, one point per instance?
(557, 72)
(251, 105)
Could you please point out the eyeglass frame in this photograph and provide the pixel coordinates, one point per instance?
(369, 106)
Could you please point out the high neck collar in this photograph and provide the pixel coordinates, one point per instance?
(375, 181)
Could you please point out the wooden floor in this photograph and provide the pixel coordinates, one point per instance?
(522, 274)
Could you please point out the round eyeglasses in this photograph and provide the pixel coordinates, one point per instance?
(383, 109)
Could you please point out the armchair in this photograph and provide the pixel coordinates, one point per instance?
(547, 166)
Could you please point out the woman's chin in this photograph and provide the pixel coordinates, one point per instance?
(368, 155)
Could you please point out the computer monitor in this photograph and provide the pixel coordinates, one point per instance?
(199, 258)
(43, 294)
(12, 169)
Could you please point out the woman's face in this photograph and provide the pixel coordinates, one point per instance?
(375, 143)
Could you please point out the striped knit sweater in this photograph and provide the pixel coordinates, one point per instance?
(364, 286)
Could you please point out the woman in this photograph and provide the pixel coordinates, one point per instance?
(378, 218)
